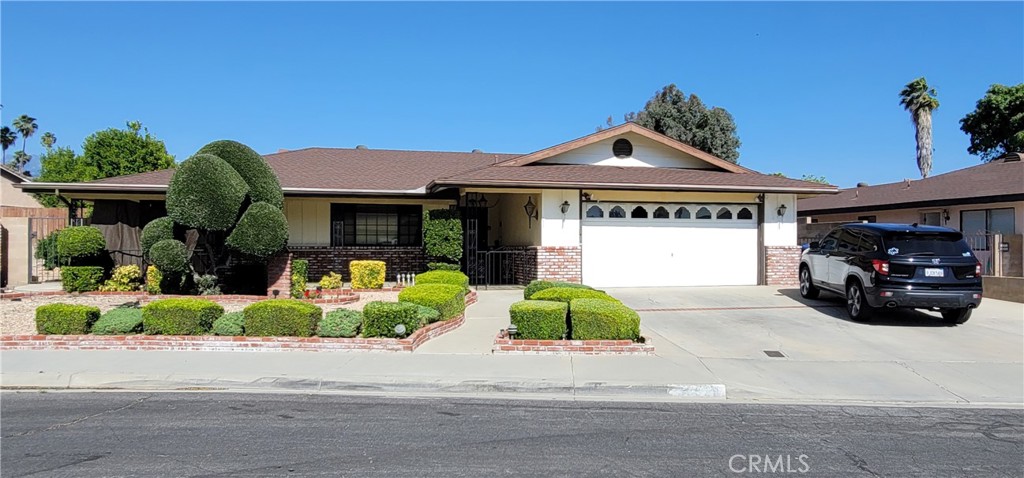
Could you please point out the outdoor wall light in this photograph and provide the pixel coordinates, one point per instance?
(945, 214)
(276, 293)
(531, 210)
(781, 211)
(565, 207)
(512, 331)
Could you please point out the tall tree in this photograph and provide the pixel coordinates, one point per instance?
(48, 139)
(26, 125)
(20, 160)
(996, 126)
(672, 113)
(7, 137)
(919, 99)
(116, 152)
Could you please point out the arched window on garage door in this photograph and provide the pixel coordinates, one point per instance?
(724, 213)
(682, 213)
(638, 213)
(617, 212)
(703, 213)
(595, 211)
(661, 213)
(744, 214)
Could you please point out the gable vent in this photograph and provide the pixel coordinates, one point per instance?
(622, 148)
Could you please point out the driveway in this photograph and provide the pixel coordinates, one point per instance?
(901, 355)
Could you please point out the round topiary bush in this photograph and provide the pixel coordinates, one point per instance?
(80, 241)
(206, 193)
(262, 231)
(156, 231)
(254, 170)
(170, 256)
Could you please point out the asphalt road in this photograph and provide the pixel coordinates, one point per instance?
(215, 434)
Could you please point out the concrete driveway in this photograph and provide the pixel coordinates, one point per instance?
(901, 355)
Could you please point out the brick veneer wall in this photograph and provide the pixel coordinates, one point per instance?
(397, 260)
(279, 274)
(781, 264)
(560, 263)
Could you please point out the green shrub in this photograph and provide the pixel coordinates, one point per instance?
(80, 241)
(442, 266)
(124, 279)
(66, 319)
(153, 279)
(231, 324)
(426, 315)
(340, 323)
(261, 232)
(300, 267)
(596, 319)
(442, 234)
(330, 281)
(539, 319)
(46, 251)
(157, 230)
(119, 321)
(567, 294)
(170, 256)
(253, 169)
(282, 318)
(183, 316)
(367, 274)
(81, 278)
(205, 193)
(444, 277)
(539, 285)
(448, 300)
(380, 319)
(206, 284)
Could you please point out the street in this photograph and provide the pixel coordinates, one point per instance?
(231, 434)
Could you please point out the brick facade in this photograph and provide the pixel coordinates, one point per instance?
(781, 264)
(560, 263)
(279, 274)
(397, 260)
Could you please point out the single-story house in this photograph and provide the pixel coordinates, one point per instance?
(625, 206)
(980, 201)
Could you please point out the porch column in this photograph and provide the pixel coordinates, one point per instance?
(560, 254)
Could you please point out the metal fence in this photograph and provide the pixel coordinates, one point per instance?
(497, 267)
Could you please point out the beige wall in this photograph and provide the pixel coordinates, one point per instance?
(16, 253)
(309, 219)
(912, 215)
(9, 196)
(509, 223)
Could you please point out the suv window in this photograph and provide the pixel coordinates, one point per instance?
(849, 241)
(830, 241)
(948, 244)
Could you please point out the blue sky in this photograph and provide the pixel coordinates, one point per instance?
(812, 86)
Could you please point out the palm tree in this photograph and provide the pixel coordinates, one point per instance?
(26, 125)
(919, 99)
(48, 139)
(8, 137)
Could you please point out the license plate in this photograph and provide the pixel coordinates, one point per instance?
(934, 272)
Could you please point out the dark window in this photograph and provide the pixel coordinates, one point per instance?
(622, 148)
(830, 241)
(595, 211)
(376, 225)
(941, 244)
(848, 241)
(682, 213)
(617, 212)
(638, 213)
(744, 214)
(978, 225)
(724, 213)
(867, 218)
(703, 213)
(661, 213)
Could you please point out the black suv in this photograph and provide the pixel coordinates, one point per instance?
(894, 265)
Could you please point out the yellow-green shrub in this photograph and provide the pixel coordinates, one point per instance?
(153, 278)
(539, 319)
(367, 274)
(124, 278)
(330, 281)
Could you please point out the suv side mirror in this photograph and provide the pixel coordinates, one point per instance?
(815, 244)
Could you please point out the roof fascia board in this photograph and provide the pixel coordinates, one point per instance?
(912, 205)
(625, 186)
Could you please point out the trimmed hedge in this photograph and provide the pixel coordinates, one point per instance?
(330, 281)
(567, 294)
(66, 319)
(282, 317)
(340, 323)
(442, 234)
(539, 285)
(442, 266)
(205, 193)
(596, 319)
(253, 169)
(367, 274)
(80, 241)
(426, 315)
(539, 319)
(170, 256)
(231, 324)
(119, 321)
(156, 231)
(184, 316)
(261, 232)
(443, 277)
(448, 300)
(81, 278)
(300, 267)
(125, 278)
(46, 251)
(380, 318)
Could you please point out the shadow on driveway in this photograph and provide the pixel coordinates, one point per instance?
(834, 306)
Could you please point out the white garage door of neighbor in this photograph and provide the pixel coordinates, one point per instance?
(651, 245)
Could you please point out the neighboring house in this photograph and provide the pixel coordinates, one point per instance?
(621, 207)
(22, 221)
(980, 201)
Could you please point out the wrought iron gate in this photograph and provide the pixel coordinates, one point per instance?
(43, 263)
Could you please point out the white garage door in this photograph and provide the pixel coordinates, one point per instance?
(648, 245)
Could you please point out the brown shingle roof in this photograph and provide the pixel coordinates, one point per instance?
(991, 180)
(614, 177)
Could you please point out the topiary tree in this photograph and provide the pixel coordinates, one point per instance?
(80, 245)
(442, 235)
(226, 200)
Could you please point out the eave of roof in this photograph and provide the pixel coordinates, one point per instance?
(628, 186)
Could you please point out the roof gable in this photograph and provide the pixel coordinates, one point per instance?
(646, 153)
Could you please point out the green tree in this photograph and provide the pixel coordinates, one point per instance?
(26, 125)
(814, 179)
(919, 99)
(7, 137)
(117, 152)
(996, 126)
(21, 159)
(672, 113)
(62, 165)
(48, 139)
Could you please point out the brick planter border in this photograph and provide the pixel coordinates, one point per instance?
(342, 296)
(504, 345)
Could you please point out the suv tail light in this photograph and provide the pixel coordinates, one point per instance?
(882, 267)
(977, 270)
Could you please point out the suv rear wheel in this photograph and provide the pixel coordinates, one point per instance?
(807, 289)
(857, 303)
(956, 316)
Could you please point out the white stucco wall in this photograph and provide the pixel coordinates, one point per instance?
(646, 153)
(559, 229)
(779, 231)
